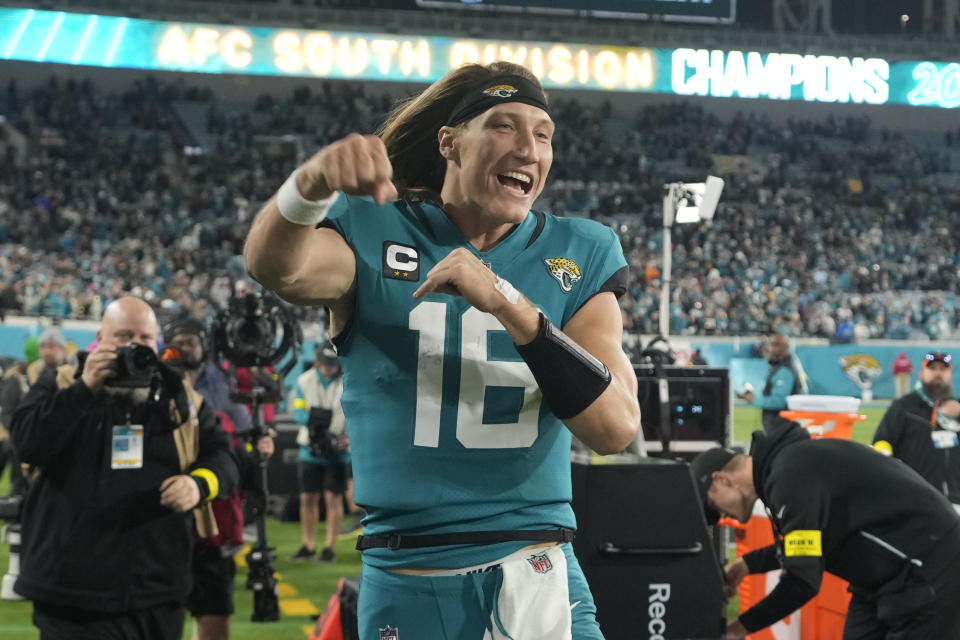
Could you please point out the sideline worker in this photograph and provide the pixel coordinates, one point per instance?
(838, 506)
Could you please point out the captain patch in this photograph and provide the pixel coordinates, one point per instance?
(400, 262)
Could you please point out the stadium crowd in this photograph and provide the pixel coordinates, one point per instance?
(819, 223)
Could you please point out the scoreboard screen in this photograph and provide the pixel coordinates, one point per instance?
(682, 10)
(133, 43)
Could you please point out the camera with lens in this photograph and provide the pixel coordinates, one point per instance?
(322, 442)
(258, 331)
(136, 365)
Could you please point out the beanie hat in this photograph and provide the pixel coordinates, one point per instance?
(52, 335)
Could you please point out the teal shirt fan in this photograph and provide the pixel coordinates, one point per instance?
(447, 426)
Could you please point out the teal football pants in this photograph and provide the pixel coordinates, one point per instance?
(453, 607)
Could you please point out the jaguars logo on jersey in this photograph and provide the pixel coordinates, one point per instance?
(565, 270)
(500, 91)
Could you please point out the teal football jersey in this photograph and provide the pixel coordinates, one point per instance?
(448, 429)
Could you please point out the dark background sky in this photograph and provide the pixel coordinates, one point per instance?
(849, 16)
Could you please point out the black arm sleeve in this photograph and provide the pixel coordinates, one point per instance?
(47, 418)
(215, 452)
(762, 560)
(802, 500)
(790, 594)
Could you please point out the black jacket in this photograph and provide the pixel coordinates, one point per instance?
(96, 538)
(908, 429)
(842, 507)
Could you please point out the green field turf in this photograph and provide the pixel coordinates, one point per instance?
(303, 586)
(309, 584)
(747, 420)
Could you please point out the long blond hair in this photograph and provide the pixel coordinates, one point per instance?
(410, 131)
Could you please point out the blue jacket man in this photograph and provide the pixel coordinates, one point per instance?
(784, 378)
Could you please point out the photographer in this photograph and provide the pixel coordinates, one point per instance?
(323, 451)
(211, 599)
(126, 452)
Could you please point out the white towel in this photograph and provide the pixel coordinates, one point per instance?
(534, 600)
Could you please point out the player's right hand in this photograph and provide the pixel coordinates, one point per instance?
(100, 364)
(357, 165)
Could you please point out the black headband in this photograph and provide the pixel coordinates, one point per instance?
(497, 90)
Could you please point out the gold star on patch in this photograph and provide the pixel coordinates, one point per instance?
(396, 273)
(406, 274)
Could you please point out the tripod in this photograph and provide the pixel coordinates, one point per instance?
(260, 577)
(247, 336)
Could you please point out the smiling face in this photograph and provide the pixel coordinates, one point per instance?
(497, 163)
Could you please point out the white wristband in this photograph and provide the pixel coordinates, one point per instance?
(507, 290)
(297, 209)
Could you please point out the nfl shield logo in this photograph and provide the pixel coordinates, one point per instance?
(540, 563)
(389, 633)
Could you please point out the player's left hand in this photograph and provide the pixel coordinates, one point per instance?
(736, 630)
(462, 274)
(179, 493)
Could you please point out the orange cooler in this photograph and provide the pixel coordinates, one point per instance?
(823, 424)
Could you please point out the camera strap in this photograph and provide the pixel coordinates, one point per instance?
(398, 541)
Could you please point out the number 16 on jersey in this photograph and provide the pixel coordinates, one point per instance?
(498, 404)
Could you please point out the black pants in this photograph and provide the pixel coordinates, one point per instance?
(162, 622)
(912, 608)
(213, 576)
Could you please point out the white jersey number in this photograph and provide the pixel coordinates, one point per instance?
(477, 373)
